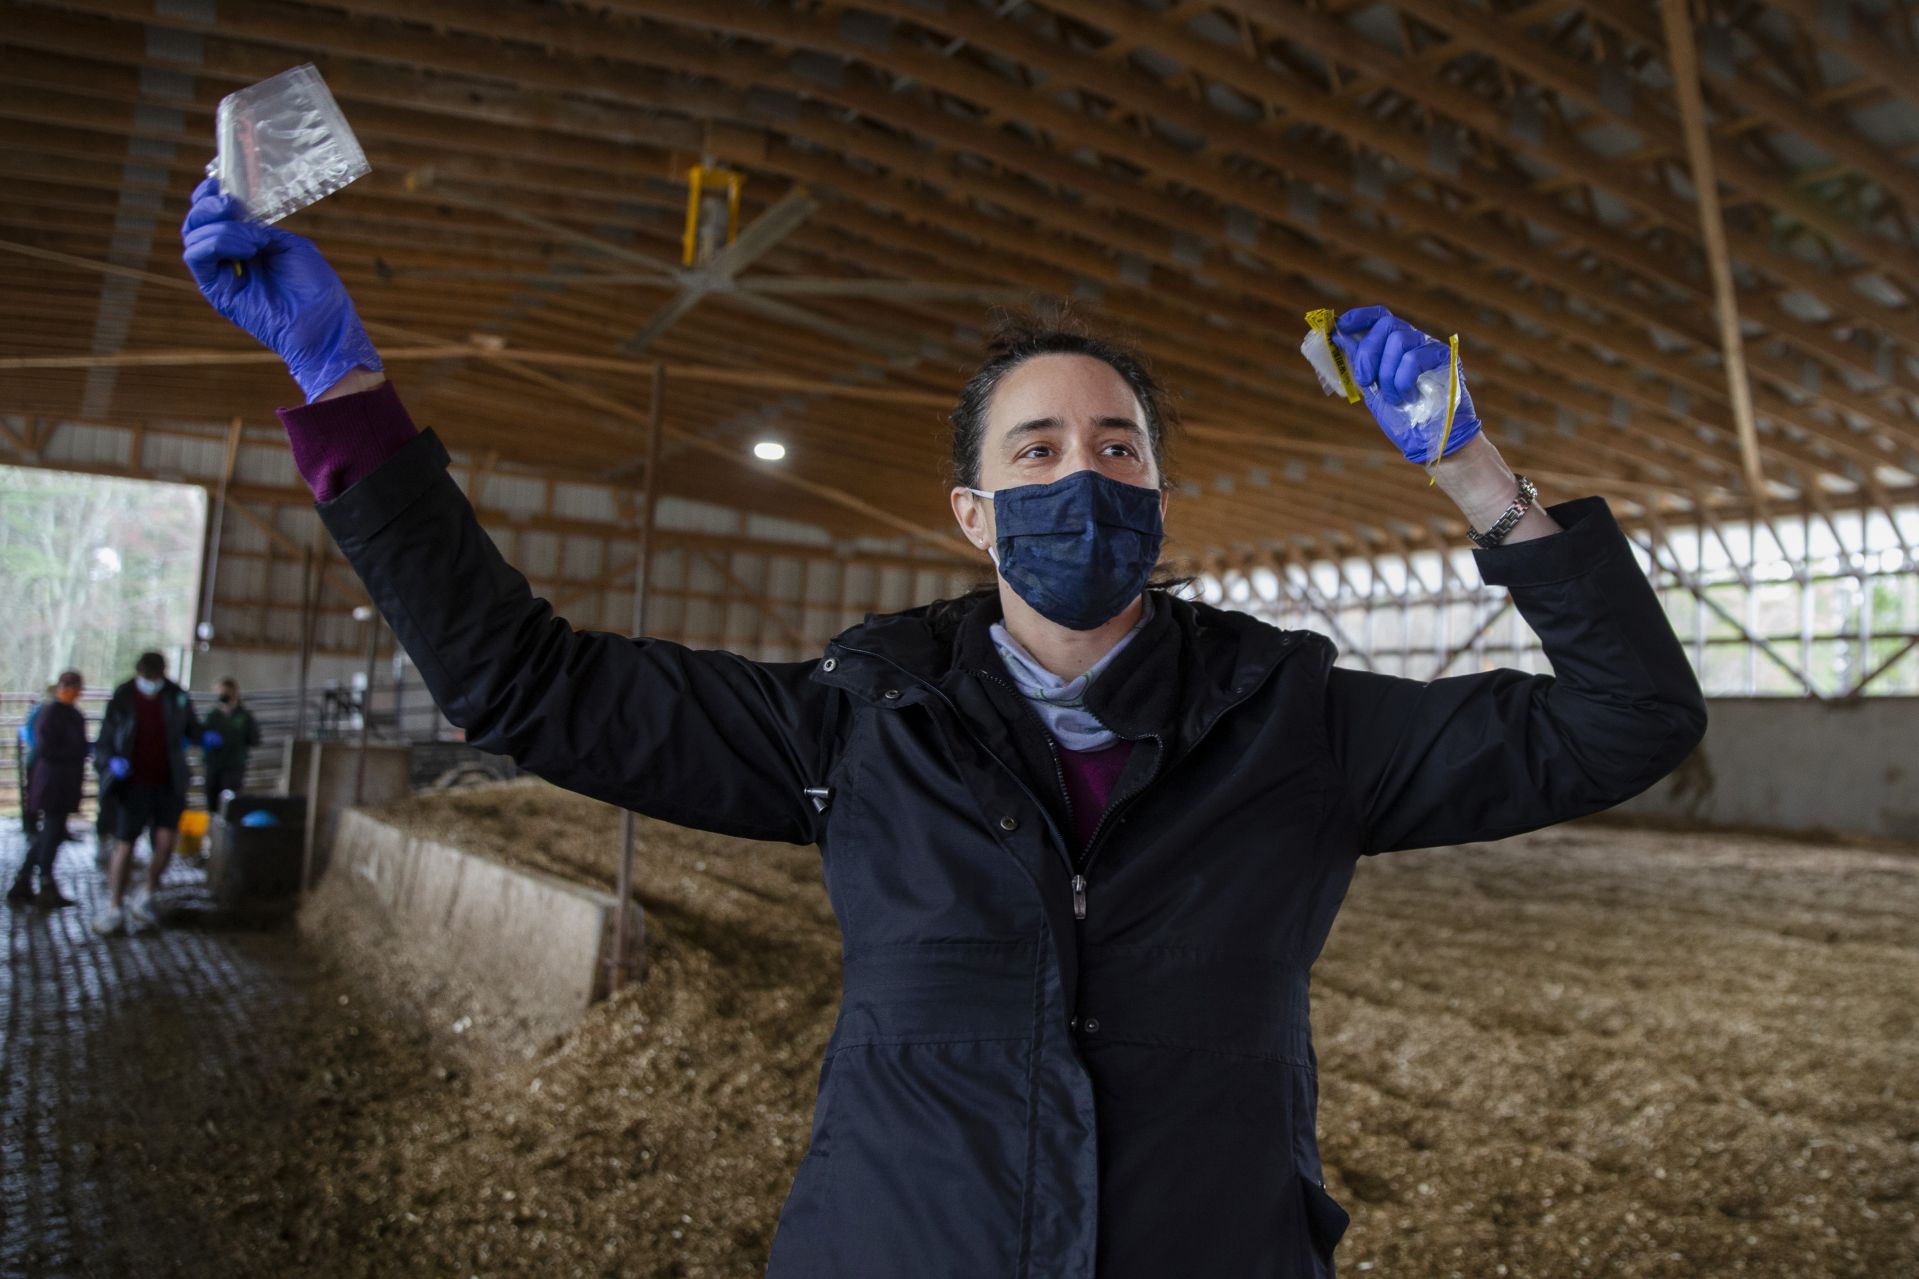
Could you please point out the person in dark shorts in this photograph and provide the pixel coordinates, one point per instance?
(142, 758)
(226, 764)
(53, 789)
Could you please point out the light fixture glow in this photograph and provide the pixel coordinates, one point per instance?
(769, 451)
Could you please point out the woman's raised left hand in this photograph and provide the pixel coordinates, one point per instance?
(1387, 356)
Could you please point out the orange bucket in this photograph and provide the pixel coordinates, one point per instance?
(193, 829)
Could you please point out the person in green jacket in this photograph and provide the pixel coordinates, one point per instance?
(226, 764)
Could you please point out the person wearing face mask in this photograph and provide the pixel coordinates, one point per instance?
(141, 756)
(1084, 837)
(235, 732)
(54, 776)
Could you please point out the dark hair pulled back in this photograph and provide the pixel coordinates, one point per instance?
(1049, 329)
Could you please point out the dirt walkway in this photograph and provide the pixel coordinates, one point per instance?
(138, 1071)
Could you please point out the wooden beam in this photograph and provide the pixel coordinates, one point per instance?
(1883, 62)
(346, 588)
(770, 611)
(216, 525)
(712, 375)
(1692, 109)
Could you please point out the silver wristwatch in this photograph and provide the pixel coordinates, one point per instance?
(1522, 502)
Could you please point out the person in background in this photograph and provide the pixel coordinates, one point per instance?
(142, 758)
(226, 763)
(53, 789)
(23, 758)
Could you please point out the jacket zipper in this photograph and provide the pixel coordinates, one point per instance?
(1107, 818)
(1059, 775)
(1081, 865)
(1119, 805)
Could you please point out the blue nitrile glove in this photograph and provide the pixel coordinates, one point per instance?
(210, 740)
(1387, 356)
(119, 766)
(282, 292)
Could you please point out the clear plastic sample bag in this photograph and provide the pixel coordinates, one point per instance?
(283, 144)
(1426, 421)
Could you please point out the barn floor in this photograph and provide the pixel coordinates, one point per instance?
(1592, 1051)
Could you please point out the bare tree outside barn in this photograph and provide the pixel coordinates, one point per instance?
(96, 571)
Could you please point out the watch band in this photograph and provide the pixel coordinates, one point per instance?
(1522, 502)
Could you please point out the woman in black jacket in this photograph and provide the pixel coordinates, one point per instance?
(1084, 840)
(54, 781)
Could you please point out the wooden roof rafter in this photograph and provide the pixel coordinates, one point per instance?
(1015, 154)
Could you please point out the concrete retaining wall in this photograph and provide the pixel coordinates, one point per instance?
(1849, 768)
(328, 773)
(539, 942)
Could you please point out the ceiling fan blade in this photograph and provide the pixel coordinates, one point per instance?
(763, 233)
(837, 286)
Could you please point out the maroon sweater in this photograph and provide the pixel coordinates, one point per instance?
(152, 762)
(1090, 778)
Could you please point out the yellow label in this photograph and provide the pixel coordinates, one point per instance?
(1322, 320)
(1452, 407)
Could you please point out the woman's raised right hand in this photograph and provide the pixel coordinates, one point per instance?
(276, 286)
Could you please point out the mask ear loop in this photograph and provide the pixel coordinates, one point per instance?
(991, 550)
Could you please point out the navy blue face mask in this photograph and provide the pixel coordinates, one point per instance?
(1080, 549)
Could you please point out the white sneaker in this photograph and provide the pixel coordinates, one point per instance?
(140, 914)
(108, 921)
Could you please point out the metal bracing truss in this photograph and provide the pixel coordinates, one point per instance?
(1830, 602)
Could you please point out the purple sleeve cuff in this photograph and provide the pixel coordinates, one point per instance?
(338, 443)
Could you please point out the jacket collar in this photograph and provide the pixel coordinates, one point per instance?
(1185, 668)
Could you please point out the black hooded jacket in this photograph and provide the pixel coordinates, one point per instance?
(1012, 1089)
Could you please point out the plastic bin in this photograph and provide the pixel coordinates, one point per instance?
(257, 846)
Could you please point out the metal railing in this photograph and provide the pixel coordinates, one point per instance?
(403, 713)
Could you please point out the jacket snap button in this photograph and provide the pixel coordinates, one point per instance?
(892, 694)
(1009, 822)
(1073, 1024)
(1092, 1025)
(829, 664)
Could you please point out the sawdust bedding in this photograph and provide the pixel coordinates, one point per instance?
(1591, 1051)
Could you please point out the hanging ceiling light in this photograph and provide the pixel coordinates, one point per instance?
(769, 450)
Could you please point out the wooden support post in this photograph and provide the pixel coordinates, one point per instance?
(309, 606)
(642, 566)
(216, 525)
(372, 621)
(1683, 59)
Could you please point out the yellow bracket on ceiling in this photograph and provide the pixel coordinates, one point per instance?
(696, 247)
